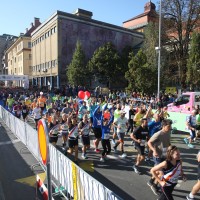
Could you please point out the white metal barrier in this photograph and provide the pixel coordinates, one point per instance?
(77, 183)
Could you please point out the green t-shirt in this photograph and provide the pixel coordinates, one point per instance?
(10, 102)
(116, 114)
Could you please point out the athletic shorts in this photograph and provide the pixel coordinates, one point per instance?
(85, 140)
(157, 160)
(192, 134)
(91, 119)
(72, 143)
(53, 139)
(36, 120)
(140, 149)
(42, 108)
(121, 136)
(97, 133)
(24, 115)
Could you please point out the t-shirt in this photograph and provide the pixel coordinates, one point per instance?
(154, 127)
(137, 118)
(116, 114)
(121, 124)
(161, 141)
(10, 102)
(141, 133)
(37, 113)
(41, 101)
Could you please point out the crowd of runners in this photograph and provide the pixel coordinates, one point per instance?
(109, 119)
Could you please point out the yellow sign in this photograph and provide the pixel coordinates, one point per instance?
(171, 90)
(42, 131)
(74, 178)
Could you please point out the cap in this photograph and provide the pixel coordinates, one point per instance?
(122, 112)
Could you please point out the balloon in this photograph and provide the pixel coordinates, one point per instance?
(81, 94)
(87, 94)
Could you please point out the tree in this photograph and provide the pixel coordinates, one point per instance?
(193, 64)
(140, 74)
(105, 63)
(77, 72)
(181, 16)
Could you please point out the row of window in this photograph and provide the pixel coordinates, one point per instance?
(44, 66)
(46, 35)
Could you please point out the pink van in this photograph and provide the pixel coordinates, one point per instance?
(185, 103)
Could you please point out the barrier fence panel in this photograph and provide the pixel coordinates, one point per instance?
(77, 182)
(21, 131)
(12, 123)
(32, 142)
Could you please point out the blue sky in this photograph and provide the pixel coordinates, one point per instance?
(16, 16)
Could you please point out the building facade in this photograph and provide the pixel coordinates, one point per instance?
(6, 41)
(19, 54)
(54, 41)
(139, 22)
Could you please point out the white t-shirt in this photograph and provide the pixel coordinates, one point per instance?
(37, 113)
(121, 124)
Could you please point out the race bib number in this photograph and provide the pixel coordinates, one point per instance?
(132, 116)
(99, 122)
(142, 143)
(24, 111)
(164, 151)
(41, 104)
(106, 136)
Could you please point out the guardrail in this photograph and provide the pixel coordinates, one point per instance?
(77, 184)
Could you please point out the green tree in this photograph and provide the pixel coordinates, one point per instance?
(77, 71)
(181, 16)
(140, 74)
(193, 64)
(104, 63)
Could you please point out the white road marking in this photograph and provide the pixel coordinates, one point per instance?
(2, 197)
(9, 142)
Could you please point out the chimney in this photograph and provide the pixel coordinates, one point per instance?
(83, 13)
(31, 24)
(26, 30)
(36, 22)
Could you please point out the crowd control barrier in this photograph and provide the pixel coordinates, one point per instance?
(77, 184)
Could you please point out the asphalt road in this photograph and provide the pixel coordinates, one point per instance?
(17, 181)
(116, 173)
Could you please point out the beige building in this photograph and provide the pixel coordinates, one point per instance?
(54, 42)
(19, 55)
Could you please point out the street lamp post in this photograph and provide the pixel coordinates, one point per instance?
(159, 49)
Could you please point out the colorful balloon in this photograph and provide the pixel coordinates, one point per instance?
(81, 94)
(87, 94)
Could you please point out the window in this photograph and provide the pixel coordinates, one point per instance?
(29, 45)
(50, 64)
(55, 29)
(30, 56)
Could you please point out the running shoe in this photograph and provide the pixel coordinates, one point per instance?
(136, 170)
(97, 150)
(84, 156)
(189, 198)
(191, 146)
(102, 159)
(185, 140)
(113, 141)
(115, 149)
(124, 155)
